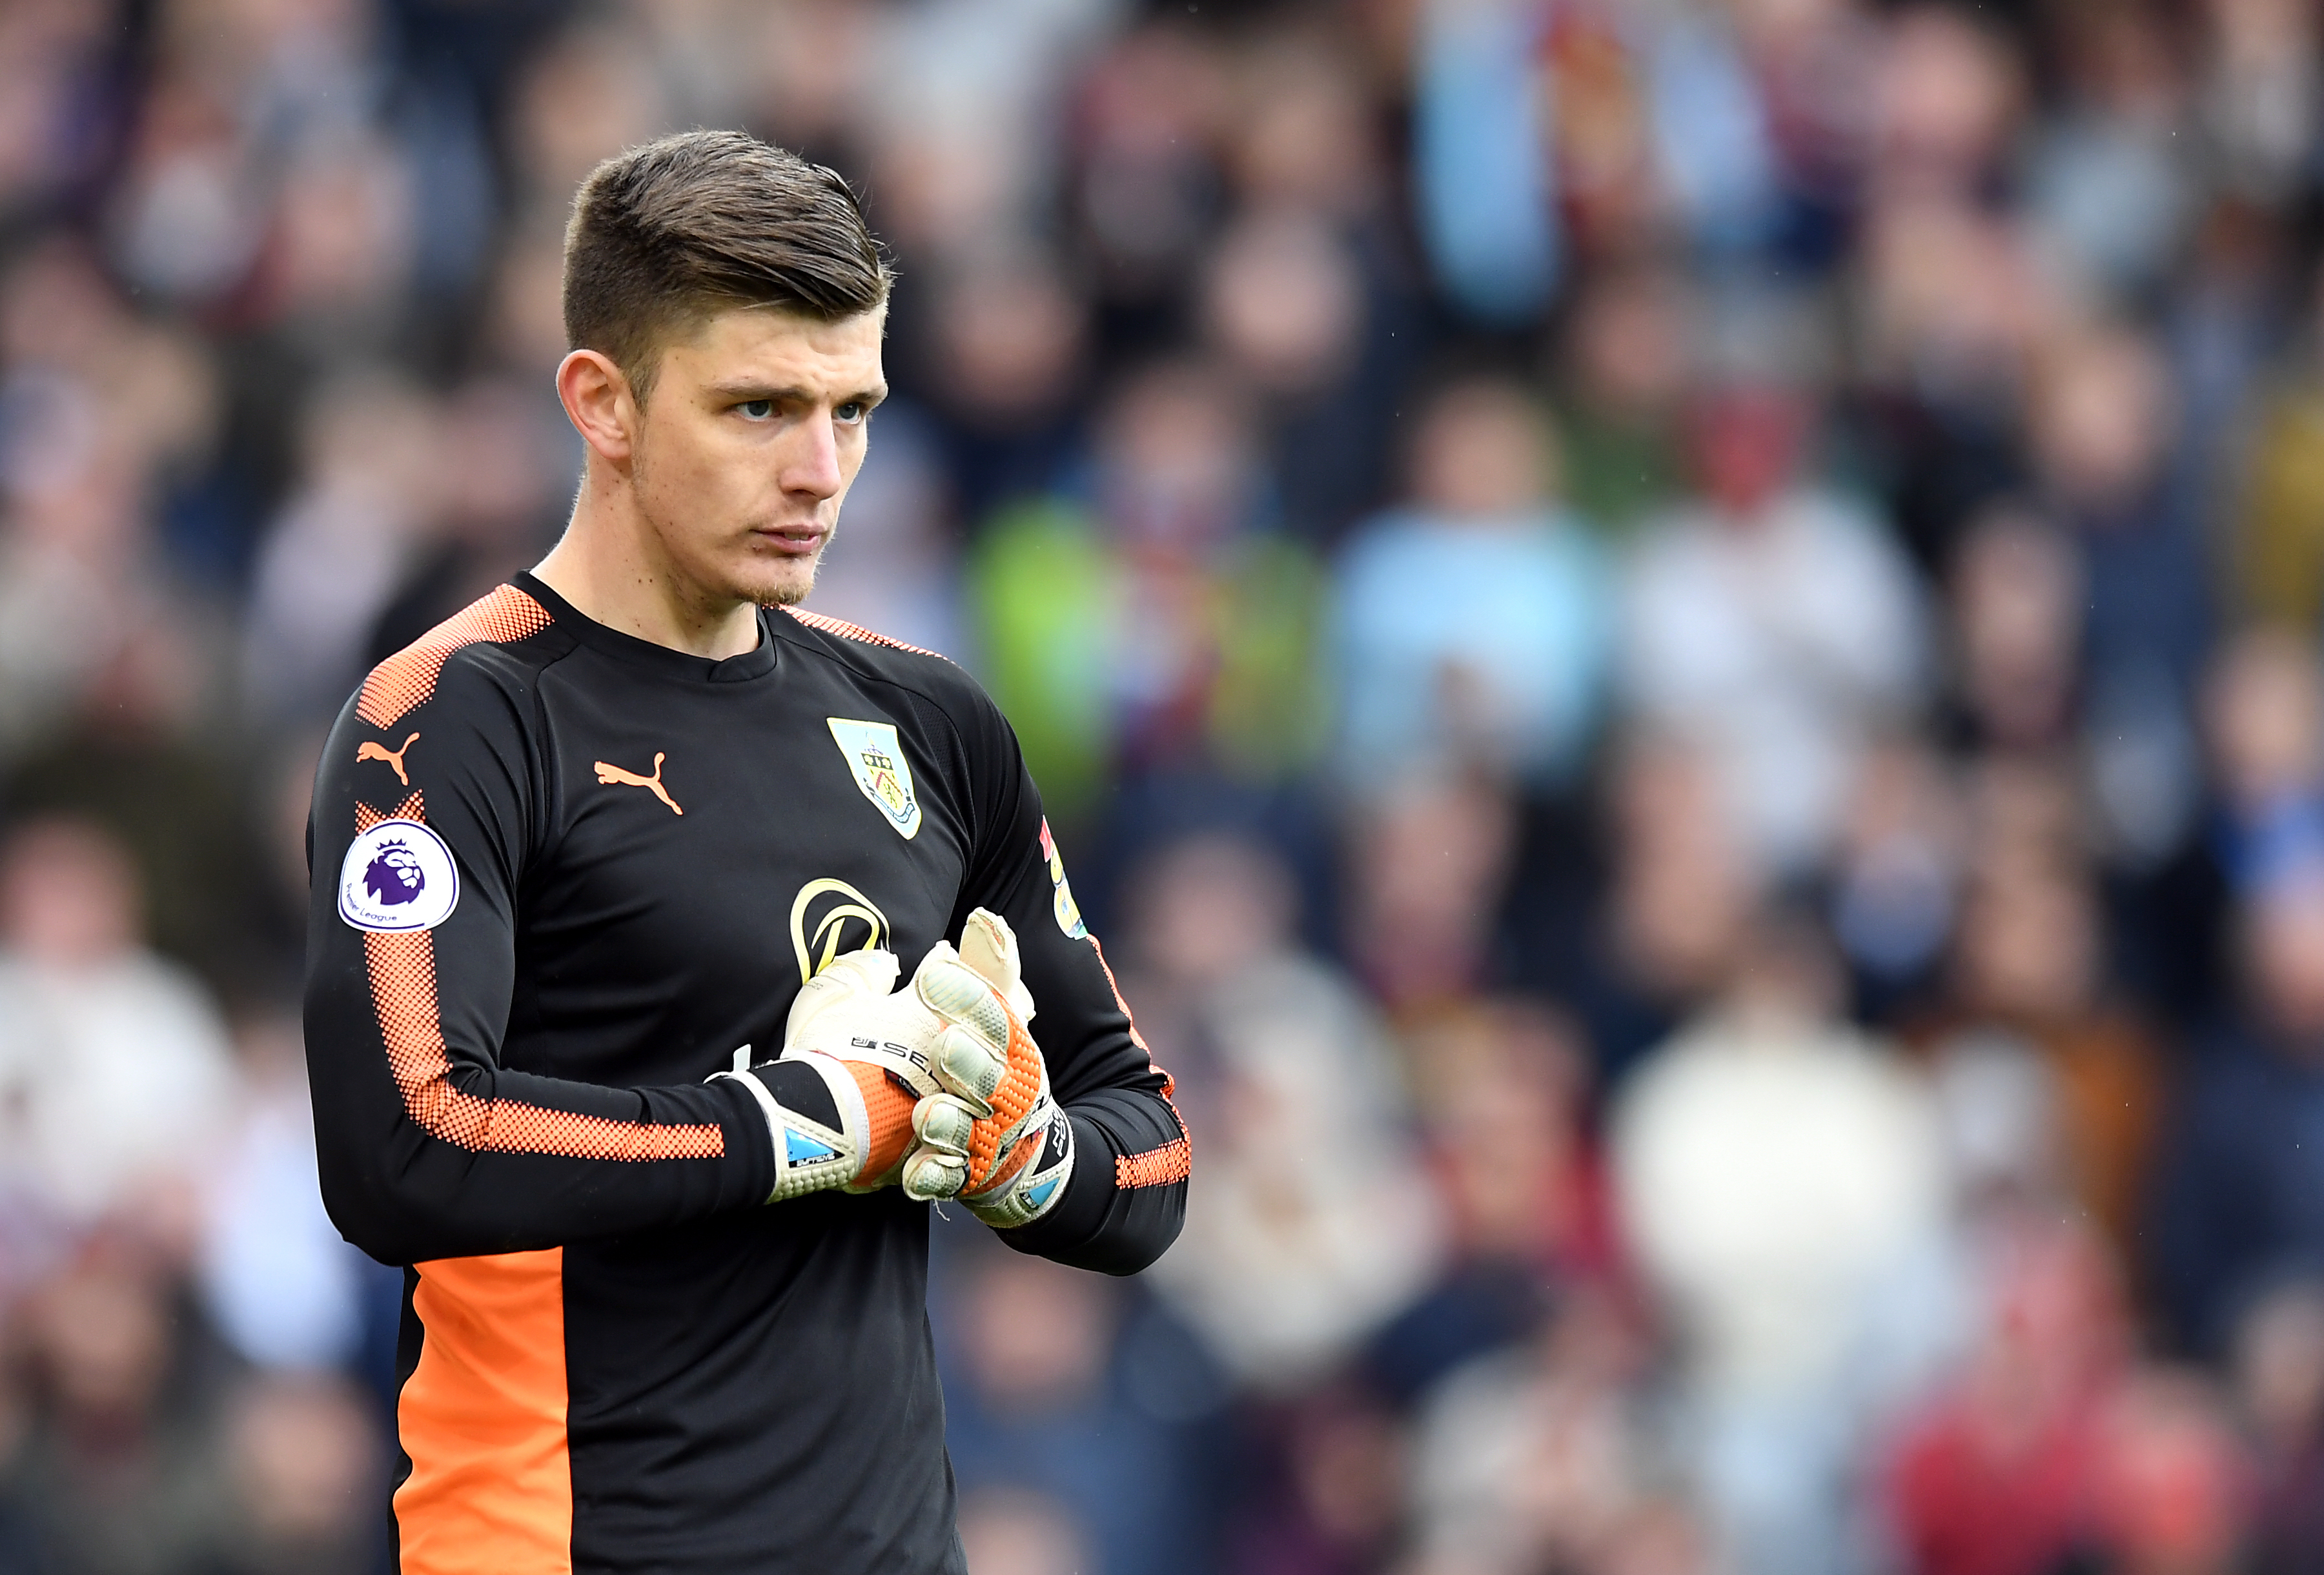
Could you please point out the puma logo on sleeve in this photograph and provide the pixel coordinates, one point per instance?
(368, 750)
(615, 775)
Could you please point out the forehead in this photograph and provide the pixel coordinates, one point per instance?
(782, 349)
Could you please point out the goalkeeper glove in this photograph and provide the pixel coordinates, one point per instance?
(994, 1136)
(839, 1101)
(938, 1086)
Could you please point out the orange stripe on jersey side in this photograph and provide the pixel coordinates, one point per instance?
(1114, 984)
(404, 681)
(482, 1418)
(846, 630)
(1175, 1160)
(402, 968)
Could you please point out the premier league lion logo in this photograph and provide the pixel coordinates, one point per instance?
(394, 877)
(398, 877)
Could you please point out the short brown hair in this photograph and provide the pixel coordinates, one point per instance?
(666, 234)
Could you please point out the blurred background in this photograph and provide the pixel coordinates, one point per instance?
(1675, 640)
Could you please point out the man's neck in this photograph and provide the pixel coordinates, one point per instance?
(609, 567)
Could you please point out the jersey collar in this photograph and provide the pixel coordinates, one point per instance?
(644, 653)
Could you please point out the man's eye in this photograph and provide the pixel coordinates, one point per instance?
(756, 410)
(851, 412)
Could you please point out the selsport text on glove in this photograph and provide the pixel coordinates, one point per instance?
(855, 1062)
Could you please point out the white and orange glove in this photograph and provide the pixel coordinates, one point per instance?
(838, 1101)
(995, 1137)
(937, 1087)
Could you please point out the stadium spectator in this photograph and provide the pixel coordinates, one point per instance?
(2017, 606)
(115, 1062)
(119, 1473)
(1621, 384)
(1501, 1089)
(1780, 1181)
(1038, 1398)
(1471, 626)
(1297, 1250)
(2266, 716)
(2026, 980)
(2236, 1205)
(1999, 1474)
(1165, 624)
(1772, 624)
(2278, 1376)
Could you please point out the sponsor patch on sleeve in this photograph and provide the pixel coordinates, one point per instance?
(398, 876)
(1068, 911)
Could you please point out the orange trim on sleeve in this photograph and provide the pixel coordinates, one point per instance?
(482, 1418)
(404, 681)
(413, 808)
(846, 630)
(1157, 1167)
(402, 968)
(403, 993)
(1114, 984)
(1175, 1160)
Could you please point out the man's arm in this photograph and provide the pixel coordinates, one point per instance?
(424, 818)
(1127, 1197)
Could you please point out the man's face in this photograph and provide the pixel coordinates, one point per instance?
(753, 431)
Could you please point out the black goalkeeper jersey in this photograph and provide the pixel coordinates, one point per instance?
(562, 876)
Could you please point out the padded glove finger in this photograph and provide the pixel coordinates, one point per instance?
(988, 948)
(944, 1123)
(938, 1165)
(930, 1177)
(1020, 1149)
(987, 1058)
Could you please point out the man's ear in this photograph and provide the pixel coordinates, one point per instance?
(598, 400)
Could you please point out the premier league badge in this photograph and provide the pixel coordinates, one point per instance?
(877, 761)
(398, 876)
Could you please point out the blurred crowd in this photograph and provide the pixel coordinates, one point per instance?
(1677, 642)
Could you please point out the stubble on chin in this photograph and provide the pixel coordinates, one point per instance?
(779, 583)
(734, 571)
(791, 591)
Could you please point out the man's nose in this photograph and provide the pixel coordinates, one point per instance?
(811, 466)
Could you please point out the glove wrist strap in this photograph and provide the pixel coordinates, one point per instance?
(816, 1121)
(1035, 1190)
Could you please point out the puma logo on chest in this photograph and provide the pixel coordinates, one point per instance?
(616, 776)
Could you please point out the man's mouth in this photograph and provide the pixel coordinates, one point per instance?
(804, 540)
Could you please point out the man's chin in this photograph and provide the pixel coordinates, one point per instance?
(775, 585)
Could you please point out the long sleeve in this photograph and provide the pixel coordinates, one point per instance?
(1127, 1197)
(428, 803)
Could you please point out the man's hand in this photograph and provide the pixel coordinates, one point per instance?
(855, 1061)
(938, 1087)
(994, 1138)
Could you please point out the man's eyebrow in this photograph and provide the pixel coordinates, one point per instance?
(745, 389)
(751, 389)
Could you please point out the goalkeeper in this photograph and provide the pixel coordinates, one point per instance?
(671, 948)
